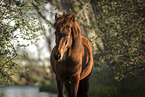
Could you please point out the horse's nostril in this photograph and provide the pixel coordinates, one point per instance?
(57, 57)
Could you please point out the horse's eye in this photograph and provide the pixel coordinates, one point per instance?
(67, 34)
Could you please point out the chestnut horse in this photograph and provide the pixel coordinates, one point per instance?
(71, 58)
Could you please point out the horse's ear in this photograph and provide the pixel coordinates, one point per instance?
(73, 17)
(56, 16)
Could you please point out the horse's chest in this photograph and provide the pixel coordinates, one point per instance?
(67, 71)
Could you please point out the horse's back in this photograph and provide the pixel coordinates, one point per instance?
(87, 63)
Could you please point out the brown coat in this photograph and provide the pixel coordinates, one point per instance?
(71, 58)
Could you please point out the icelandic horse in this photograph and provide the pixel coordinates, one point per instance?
(71, 58)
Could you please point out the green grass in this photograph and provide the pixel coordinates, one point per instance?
(101, 84)
(132, 87)
(0, 93)
(49, 88)
(101, 90)
(98, 88)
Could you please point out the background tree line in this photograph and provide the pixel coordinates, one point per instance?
(116, 29)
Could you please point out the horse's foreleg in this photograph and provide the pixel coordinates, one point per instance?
(84, 87)
(60, 87)
(68, 88)
(75, 85)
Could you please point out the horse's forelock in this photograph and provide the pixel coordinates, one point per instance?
(62, 22)
(65, 18)
(68, 19)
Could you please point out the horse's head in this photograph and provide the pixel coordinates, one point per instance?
(63, 34)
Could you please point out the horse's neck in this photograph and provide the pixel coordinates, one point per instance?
(78, 46)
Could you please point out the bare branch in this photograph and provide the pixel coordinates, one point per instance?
(37, 9)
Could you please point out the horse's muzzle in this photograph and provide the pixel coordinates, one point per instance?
(57, 57)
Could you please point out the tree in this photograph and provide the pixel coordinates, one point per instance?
(122, 28)
(19, 20)
(84, 14)
(28, 18)
(116, 31)
(110, 26)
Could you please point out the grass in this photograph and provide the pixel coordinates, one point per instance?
(101, 90)
(132, 87)
(98, 87)
(102, 83)
(49, 88)
(0, 93)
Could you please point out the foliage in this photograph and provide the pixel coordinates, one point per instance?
(122, 27)
(8, 71)
(18, 15)
(19, 21)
